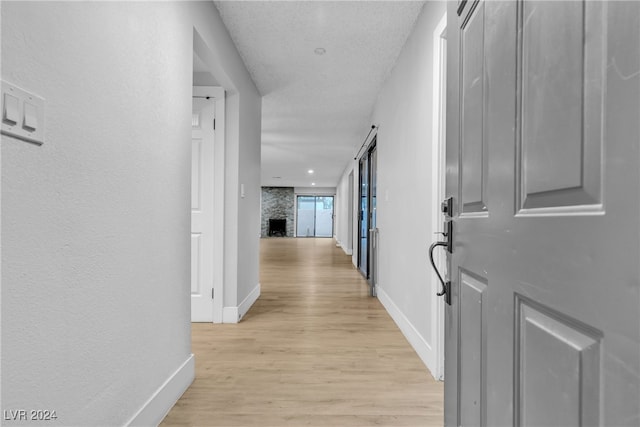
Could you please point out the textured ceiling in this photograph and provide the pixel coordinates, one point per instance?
(316, 108)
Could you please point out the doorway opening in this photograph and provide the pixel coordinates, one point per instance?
(208, 122)
(207, 101)
(314, 216)
(438, 167)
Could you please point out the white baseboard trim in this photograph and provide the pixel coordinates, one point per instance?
(417, 341)
(344, 249)
(160, 403)
(235, 314)
(246, 304)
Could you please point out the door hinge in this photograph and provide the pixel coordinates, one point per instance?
(212, 293)
(214, 124)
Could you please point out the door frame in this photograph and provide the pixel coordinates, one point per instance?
(372, 228)
(218, 94)
(438, 171)
(363, 161)
(369, 269)
(371, 145)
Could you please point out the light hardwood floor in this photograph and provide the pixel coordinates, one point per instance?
(314, 350)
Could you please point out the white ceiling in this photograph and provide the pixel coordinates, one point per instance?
(316, 108)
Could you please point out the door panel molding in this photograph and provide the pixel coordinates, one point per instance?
(473, 152)
(559, 136)
(196, 173)
(472, 338)
(196, 262)
(556, 367)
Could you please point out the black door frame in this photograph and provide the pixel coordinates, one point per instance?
(364, 164)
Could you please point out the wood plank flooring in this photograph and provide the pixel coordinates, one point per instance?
(314, 350)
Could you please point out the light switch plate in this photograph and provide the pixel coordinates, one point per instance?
(30, 119)
(10, 109)
(29, 125)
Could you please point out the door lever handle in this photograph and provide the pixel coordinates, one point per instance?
(446, 286)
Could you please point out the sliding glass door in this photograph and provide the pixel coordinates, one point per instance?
(367, 232)
(363, 229)
(314, 216)
(306, 217)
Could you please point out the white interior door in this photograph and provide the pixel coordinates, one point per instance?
(543, 165)
(202, 206)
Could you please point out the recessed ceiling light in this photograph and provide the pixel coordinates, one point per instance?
(320, 51)
(310, 171)
(313, 183)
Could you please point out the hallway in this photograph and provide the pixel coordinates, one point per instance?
(315, 349)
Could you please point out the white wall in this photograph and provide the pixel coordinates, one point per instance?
(343, 210)
(403, 113)
(249, 205)
(96, 222)
(242, 157)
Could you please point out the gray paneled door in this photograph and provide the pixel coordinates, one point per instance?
(543, 156)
